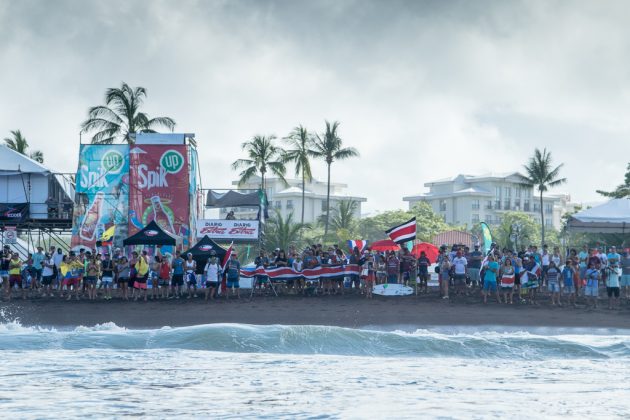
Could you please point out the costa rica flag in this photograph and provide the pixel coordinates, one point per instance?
(357, 243)
(404, 232)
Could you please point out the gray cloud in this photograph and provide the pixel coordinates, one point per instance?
(423, 89)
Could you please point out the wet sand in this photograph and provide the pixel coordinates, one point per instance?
(346, 311)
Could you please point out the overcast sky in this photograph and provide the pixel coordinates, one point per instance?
(424, 89)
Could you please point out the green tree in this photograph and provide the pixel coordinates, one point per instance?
(539, 174)
(528, 230)
(120, 117)
(622, 190)
(19, 143)
(329, 147)
(300, 143)
(342, 219)
(262, 156)
(281, 232)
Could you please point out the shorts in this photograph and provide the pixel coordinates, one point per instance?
(612, 291)
(568, 290)
(212, 284)
(123, 280)
(15, 279)
(473, 274)
(4, 273)
(47, 280)
(191, 279)
(178, 280)
(554, 287)
(406, 275)
(460, 280)
(625, 280)
(591, 290)
(506, 289)
(163, 282)
(107, 280)
(232, 283)
(91, 280)
(153, 275)
(490, 286)
(70, 281)
(392, 278)
(140, 284)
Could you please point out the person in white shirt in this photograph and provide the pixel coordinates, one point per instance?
(212, 274)
(459, 267)
(48, 274)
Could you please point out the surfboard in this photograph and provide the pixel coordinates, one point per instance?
(392, 290)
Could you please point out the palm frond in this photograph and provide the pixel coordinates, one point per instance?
(37, 156)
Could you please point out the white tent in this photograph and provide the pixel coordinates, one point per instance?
(610, 217)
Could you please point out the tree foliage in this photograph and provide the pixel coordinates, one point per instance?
(622, 190)
(541, 175)
(300, 143)
(263, 156)
(120, 117)
(19, 143)
(282, 232)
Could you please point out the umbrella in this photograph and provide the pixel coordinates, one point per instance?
(430, 250)
(384, 245)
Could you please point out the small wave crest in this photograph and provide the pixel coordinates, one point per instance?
(309, 339)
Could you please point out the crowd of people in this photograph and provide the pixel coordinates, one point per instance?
(511, 277)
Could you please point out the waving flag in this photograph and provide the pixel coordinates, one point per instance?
(403, 232)
(359, 244)
(487, 237)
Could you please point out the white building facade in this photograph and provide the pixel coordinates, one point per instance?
(287, 199)
(468, 200)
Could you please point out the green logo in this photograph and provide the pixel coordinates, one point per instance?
(112, 161)
(172, 161)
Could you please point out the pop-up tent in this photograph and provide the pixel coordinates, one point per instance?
(203, 250)
(152, 234)
(610, 217)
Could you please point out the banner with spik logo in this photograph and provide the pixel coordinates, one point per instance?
(102, 186)
(159, 188)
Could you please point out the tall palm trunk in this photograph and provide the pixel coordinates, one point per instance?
(542, 219)
(327, 205)
(303, 194)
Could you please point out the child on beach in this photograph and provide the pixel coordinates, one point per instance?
(553, 283)
(507, 281)
(568, 282)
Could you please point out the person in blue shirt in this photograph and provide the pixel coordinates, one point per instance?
(178, 274)
(233, 274)
(569, 272)
(490, 279)
(613, 257)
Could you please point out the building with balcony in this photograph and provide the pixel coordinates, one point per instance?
(470, 199)
(288, 198)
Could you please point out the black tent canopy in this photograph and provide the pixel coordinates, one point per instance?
(232, 199)
(152, 234)
(203, 250)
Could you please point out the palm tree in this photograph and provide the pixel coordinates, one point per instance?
(19, 144)
(541, 175)
(300, 142)
(622, 190)
(342, 216)
(281, 233)
(120, 117)
(263, 156)
(329, 147)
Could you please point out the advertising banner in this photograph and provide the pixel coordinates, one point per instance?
(102, 187)
(228, 230)
(13, 212)
(10, 235)
(159, 188)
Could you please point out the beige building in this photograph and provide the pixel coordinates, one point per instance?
(470, 199)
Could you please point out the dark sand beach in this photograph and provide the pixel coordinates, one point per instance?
(346, 311)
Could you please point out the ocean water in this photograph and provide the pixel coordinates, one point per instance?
(245, 371)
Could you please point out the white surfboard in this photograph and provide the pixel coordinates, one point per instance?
(392, 290)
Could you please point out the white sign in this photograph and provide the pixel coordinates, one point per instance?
(228, 229)
(10, 235)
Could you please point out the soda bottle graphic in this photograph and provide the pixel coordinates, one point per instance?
(87, 230)
(160, 216)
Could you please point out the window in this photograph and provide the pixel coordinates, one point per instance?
(488, 205)
(497, 193)
(475, 204)
(278, 204)
(526, 204)
(548, 208)
(536, 207)
(517, 192)
(442, 205)
(474, 219)
(548, 222)
(506, 203)
(289, 204)
(324, 206)
(517, 204)
(497, 204)
(508, 192)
